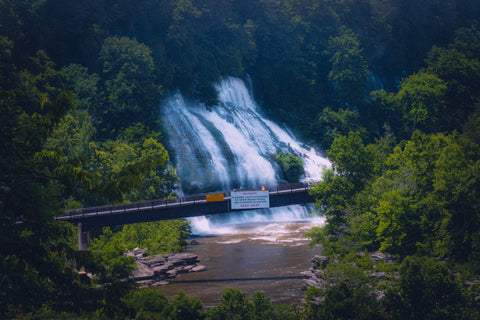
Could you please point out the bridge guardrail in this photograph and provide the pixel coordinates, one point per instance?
(177, 201)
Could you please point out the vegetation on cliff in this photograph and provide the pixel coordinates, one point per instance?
(412, 193)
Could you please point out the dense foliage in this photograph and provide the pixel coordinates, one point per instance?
(157, 237)
(291, 166)
(389, 88)
(303, 56)
(412, 192)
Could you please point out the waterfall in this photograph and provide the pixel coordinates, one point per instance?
(232, 145)
(262, 219)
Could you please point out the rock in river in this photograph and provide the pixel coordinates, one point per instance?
(156, 270)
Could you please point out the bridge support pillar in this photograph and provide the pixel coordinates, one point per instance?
(83, 238)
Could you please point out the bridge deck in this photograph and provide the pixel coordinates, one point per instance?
(190, 206)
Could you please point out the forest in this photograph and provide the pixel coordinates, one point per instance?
(389, 89)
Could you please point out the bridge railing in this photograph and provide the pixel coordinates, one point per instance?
(175, 201)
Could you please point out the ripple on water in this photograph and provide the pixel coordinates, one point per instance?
(250, 256)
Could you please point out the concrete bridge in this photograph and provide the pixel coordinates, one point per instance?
(91, 218)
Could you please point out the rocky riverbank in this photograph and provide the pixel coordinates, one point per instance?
(155, 271)
(316, 276)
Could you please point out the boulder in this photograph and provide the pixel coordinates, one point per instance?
(172, 273)
(312, 283)
(183, 259)
(319, 261)
(154, 271)
(188, 268)
(376, 256)
(144, 283)
(139, 253)
(308, 275)
(142, 272)
(157, 260)
(162, 269)
(378, 275)
(319, 273)
(198, 268)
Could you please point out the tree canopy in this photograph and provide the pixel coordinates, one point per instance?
(389, 89)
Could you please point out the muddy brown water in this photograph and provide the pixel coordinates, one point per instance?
(250, 254)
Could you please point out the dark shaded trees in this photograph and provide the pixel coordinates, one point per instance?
(461, 76)
(426, 290)
(333, 124)
(351, 159)
(129, 84)
(43, 144)
(37, 258)
(235, 304)
(349, 68)
(347, 295)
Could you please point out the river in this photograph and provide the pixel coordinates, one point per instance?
(257, 250)
(234, 145)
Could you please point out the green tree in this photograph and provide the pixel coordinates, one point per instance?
(196, 66)
(72, 134)
(291, 165)
(146, 303)
(333, 196)
(348, 294)
(157, 237)
(455, 189)
(383, 113)
(6, 66)
(333, 124)
(351, 159)
(349, 68)
(161, 181)
(262, 306)
(399, 226)
(426, 290)
(85, 86)
(462, 77)
(471, 128)
(406, 209)
(467, 41)
(422, 96)
(112, 272)
(131, 90)
(41, 81)
(234, 304)
(185, 308)
(131, 171)
(37, 258)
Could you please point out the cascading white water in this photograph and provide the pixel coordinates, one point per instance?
(232, 146)
(256, 222)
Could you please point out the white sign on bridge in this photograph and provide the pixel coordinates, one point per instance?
(242, 200)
